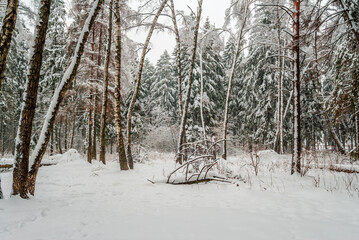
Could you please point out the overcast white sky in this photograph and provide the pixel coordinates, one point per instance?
(162, 41)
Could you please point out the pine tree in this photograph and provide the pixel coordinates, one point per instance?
(13, 85)
(164, 87)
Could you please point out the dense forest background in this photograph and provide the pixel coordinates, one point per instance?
(268, 57)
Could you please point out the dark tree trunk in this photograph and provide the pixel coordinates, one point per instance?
(2, 139)
(89, 147)
(118, 121)
(52, 144)
(1, 195)
(93, 154)
(59, 138)
(7, 30)
(21, 167)
(105, 91)
(60, 92)
(73, 129)
(66, 136)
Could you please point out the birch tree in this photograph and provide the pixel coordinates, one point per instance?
(58, 97)
(297, 143)
(105, 89)
(178, 56)
(138, 83)
(242, 11)
(182, 132)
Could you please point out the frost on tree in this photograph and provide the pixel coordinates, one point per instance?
(59, 94)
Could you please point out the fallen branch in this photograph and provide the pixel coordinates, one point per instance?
(151, 181)
(10, 166)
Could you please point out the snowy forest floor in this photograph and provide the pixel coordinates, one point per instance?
(77, 200)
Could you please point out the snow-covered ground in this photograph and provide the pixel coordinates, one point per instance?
(76, 200)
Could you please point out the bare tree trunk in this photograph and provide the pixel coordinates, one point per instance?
(2, 138)
(297, 143)
(73, 129)
(21, 168)
(279, 133)
(89, 147)
(178, 59)
(94, 150)
(66, 136)
(93, 154)
(59, 139)
(7, 30)
(1, 194)
(120, 141)
(201, 104)
(52, 144)
(105, 90)
(59, 94)
(356, 119)
(138, 83)
(231, 77)
(182, 133)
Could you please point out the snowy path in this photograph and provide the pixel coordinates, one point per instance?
(76, 200)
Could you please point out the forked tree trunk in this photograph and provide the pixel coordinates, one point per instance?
(297, 143)
(182, 132)
(118, 120)
(138, 83)
(59, 94)
(21, 168)
(7, 30)
(105, 90)
(231, 77)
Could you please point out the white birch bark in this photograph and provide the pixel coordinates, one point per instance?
(138, 83)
